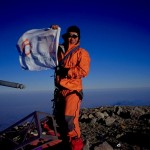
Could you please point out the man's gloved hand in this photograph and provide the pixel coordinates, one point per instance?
(61, 71)
(54, 27)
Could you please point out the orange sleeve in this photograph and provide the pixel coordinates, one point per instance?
(82, 67)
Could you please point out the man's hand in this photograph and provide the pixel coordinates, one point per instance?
(55, 27)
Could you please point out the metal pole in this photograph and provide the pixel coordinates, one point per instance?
(11, 84)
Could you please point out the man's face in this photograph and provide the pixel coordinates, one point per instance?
(73, 38)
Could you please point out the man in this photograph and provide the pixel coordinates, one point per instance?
(74, 64)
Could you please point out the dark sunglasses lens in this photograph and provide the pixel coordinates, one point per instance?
(73, 36)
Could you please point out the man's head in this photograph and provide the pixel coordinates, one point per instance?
(74, 29)
(72, 35)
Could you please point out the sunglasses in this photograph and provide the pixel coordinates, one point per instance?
(72, 36)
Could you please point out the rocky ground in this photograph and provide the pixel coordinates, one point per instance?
(103, 128)
(118, 128)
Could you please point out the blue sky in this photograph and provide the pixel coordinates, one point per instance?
(116, 33)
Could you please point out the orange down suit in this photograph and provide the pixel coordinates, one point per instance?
(68, 106)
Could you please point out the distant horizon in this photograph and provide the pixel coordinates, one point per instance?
(9, 89)
(103, 96)
(19, 103)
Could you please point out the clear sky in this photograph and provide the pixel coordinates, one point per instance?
(116, 33)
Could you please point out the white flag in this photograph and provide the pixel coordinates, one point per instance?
(38, 49)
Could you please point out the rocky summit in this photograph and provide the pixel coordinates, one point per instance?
(116, 128)
(102, 128)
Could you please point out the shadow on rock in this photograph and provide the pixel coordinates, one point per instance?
(139, 139)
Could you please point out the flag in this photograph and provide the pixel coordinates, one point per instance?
(38, 49)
